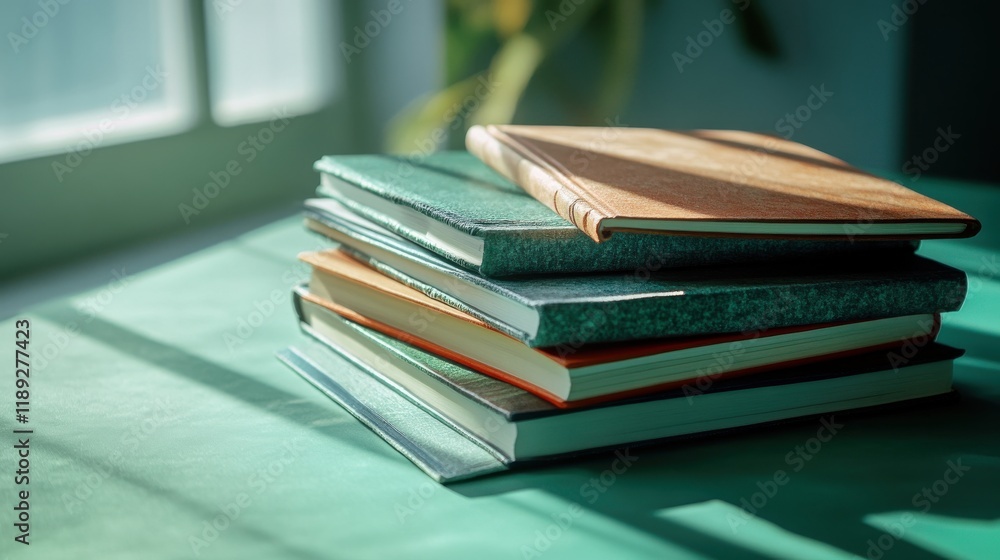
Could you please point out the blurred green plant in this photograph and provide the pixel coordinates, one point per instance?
(509, 42)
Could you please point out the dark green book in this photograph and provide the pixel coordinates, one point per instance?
(459, 208)
(570, 311)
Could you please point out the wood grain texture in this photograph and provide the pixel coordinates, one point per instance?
(592, 174)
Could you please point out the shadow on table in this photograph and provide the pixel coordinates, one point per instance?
(264, 396)
(877, 463)
(268, 398)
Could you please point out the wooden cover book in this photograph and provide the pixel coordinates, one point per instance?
(707, 182)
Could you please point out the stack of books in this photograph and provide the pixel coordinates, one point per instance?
(563, 290)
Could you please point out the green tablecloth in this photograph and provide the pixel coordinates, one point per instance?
(158, 410)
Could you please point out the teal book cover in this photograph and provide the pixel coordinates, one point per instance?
(569, 311)
(514, 234)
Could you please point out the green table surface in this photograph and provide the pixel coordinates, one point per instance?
(158, 410)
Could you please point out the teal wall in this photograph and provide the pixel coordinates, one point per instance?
(836, 44)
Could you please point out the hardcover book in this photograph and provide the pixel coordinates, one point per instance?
(456, 206)
(455, 423)
(706, 182)
(573, 377)
(577, 310)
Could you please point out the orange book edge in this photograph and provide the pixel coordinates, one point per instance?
(495, 373)
(346, 267)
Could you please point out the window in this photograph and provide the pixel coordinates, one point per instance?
(268, 54)
(75, 76)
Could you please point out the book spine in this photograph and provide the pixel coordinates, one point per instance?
(546, 184)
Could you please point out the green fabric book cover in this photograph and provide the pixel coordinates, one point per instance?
(519, 235)
(570, 311)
